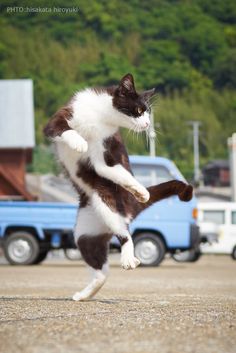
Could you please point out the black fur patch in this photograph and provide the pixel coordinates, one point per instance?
(94, 249)
(58, 124)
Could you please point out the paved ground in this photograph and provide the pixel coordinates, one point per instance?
(174, 308)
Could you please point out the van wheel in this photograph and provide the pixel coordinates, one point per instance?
(234, 253)
(187, 256)
(149, 248)
(21, 248)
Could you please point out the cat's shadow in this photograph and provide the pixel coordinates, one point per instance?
(103, 301)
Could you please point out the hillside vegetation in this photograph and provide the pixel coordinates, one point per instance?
(187, 49)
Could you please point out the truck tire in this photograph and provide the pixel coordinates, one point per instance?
(187, 256)
(233, 255)
(42, 256)
(149, 248)
(21, 248)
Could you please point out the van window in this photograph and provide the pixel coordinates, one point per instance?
(215, 216)
(234, 217)
(149, 175)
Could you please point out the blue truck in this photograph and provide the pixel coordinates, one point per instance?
(29, 230)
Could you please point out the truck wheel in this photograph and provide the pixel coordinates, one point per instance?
(234, 253)
(73, 254)
(149, 248)
(21, 248)
(187, 256)
(42, 256)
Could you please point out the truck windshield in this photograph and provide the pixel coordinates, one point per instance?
(149, 175)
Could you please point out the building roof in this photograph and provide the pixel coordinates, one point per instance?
(16, 114)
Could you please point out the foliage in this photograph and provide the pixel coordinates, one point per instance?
(216, 113)
(186, 49)
(44, 161)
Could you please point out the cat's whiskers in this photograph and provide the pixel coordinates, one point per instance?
(154, 98)
(133, 133)
(137, 131)
(147, 134)
(128, 132)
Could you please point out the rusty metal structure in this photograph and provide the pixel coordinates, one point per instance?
(17, 138)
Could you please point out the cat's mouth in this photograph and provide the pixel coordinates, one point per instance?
(142, 123)
(140, 128)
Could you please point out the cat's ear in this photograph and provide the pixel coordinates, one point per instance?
(147, 95)
(126, 84)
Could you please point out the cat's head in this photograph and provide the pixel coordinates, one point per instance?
(134, 108)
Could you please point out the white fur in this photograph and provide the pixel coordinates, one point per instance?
(89, 222)
(114, 221)
(98, 218)
(92, 111)
(128, 260)
(74, 141)
(98, 280)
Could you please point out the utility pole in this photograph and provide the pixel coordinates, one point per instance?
(152, 136)
(195, 125)
(232, 151)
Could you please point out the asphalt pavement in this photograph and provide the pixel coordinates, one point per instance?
(172, 308)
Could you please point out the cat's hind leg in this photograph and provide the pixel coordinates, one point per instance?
(117, 225)
(98, 280)
(94, 249)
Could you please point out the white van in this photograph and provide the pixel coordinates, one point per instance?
(222, 214)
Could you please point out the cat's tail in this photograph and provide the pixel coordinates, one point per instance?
(164, 190)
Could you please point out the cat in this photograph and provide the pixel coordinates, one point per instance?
(92, 153)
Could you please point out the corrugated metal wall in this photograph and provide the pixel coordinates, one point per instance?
(16, 114)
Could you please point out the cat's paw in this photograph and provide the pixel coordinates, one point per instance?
(140, 192)
(75, 141)
(129, 263)
(79, 297)
(80, 146)
(128, 260)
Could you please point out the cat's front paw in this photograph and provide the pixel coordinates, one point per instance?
(140, 192)
(79, 145)
(75, 141)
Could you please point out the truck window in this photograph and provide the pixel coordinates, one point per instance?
(233, 217)
(215, 216)
(149, 175)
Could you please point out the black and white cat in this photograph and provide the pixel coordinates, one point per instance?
(89, 146)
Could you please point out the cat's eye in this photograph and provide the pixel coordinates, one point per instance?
(140, 110)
